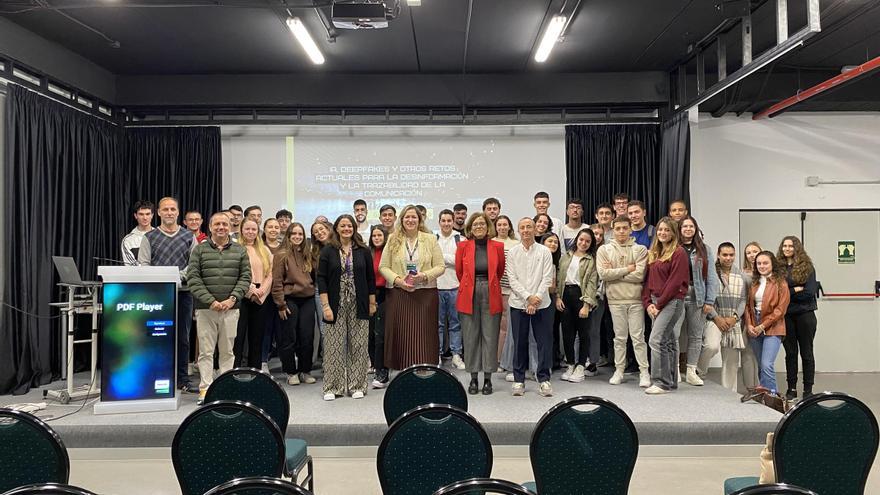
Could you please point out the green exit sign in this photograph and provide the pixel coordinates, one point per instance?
(846, 252)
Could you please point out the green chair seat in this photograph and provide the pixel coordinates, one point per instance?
(30, 451)
(732, 485)
(225, 440)
(295, 453)
(584, 445)
(431, 447)
(257, 388)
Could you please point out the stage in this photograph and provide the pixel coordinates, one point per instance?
(708, 415)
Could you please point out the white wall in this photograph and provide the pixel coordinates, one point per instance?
(738, 163)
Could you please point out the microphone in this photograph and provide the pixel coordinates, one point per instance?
(117, 262)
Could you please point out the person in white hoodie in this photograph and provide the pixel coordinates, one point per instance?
(621, 264)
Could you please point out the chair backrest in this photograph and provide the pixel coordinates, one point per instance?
(48, 489)
(255, 387)
(30, 451)
(479, 486)
(419, 385)
(826, 443)
(774, 489)
(589, 450)
(431, 447)
(225, 440)
(258, 485)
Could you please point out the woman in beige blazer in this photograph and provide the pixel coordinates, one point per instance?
(411, 263)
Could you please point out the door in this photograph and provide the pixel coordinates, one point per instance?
(848, 334)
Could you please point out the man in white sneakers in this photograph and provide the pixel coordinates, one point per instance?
(530, 273)
(621, 264)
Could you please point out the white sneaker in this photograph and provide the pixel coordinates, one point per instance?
(692, 378)
(577, 375)
(566, 375)
(293, 379)
(265, 368)
(645, 379)
(329, 397)
(306, 378)
(655, 390)
(545, 389)
(617, 378)
(508, 377)
(518, 389)
(457, 362)
(357, 394)
(530, 375)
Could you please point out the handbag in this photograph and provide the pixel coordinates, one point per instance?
(775, 401)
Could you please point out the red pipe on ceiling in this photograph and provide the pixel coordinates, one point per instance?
(822, 87)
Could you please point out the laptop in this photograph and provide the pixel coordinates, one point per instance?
(69, 273)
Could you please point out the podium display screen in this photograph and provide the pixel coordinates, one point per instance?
(138, 341)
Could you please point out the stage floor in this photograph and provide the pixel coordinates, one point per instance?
(708, 415)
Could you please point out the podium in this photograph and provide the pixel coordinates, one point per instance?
(138, 339)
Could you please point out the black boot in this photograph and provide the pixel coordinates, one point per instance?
(474, 387)
(808, 391)
(791, 393)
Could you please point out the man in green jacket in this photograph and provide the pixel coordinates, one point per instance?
(219, 275)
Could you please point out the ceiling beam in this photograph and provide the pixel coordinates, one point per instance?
(395, 90)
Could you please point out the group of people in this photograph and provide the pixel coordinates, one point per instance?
(520, 298)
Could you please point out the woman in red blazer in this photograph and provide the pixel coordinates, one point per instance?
(479, 264)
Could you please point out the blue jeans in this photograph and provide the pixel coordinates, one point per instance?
(448, 297)
(766, 347)
(663, 342)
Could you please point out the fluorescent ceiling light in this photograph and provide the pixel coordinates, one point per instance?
(305, 40)
(413, 3)
(551, 36)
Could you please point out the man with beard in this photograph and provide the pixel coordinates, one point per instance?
(360, 215)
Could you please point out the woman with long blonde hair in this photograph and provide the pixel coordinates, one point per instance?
(800, 318)
(666, 284)
(251, 320)
(411, 262)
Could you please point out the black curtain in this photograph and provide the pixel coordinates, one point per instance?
(183, 162)
(70, 182)
(675, 161)
(603, 160)
(63, 195)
